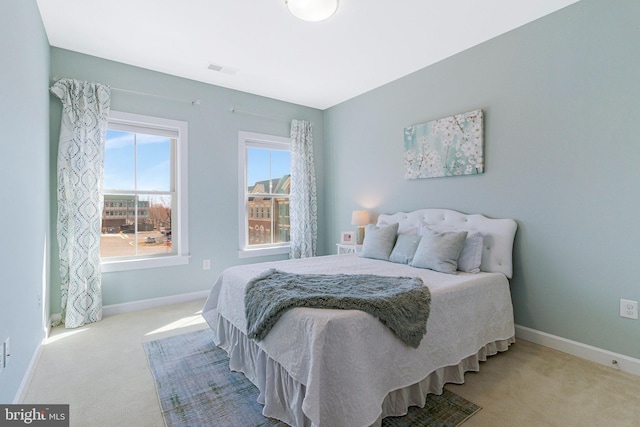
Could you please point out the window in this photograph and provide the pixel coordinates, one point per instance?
(144, 219)
(264, 164)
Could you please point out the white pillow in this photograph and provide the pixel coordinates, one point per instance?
(471, 256)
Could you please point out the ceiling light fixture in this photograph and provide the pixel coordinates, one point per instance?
(312, 10)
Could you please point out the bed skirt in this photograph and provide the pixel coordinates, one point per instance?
(285, 399)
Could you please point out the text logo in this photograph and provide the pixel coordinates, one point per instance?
(34, 415)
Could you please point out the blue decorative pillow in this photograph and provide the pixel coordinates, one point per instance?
(378, 241)
(439, 251)
(405, 248)
(471, 255)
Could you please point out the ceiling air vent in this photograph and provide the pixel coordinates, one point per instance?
(222, 69)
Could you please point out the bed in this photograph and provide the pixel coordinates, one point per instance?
(327, 367)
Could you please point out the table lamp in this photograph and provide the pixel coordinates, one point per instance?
(360, 218)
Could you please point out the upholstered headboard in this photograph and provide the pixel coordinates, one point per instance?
(498, 233)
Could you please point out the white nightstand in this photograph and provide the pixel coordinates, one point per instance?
(348, 249)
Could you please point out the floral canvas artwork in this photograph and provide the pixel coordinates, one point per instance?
(449, 146)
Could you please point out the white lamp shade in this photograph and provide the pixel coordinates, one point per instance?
(360, 217)
(312, 10)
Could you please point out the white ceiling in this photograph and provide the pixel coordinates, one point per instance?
(366, 44)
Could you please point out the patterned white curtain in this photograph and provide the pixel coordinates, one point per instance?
(303, 207)
(80, 169)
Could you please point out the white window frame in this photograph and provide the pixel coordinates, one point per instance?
(259, 140)
(179, 230)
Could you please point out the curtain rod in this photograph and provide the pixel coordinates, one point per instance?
(135, 92)
(253, 113)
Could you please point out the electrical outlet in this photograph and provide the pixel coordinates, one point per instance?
(206, 264)
(629, 309)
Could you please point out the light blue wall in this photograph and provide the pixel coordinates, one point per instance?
(24, 173)
(213, 166)
(561, 98)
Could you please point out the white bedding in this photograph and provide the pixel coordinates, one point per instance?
(347, 361)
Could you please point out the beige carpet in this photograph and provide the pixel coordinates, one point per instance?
(101, 371)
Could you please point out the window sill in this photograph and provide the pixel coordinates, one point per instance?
(250, 253)
(137, 264)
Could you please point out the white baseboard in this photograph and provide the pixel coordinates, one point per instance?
(127, 307)
(110, 310)
(26, 379)
(584, 351)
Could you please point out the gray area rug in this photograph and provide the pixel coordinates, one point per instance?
(196, 388)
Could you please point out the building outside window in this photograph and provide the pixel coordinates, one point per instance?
(265, 167)
(145, 194)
